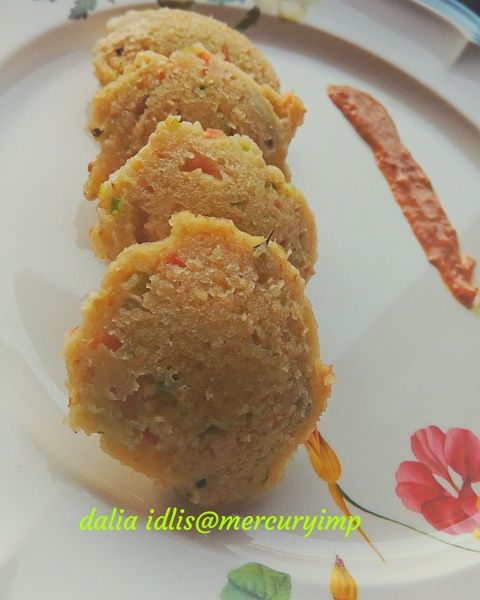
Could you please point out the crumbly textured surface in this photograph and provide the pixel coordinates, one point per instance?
(165, 30)
(197, 361)
(198, 86)
(184, 167)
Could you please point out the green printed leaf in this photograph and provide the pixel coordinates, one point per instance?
(81, 8)
(254, 581)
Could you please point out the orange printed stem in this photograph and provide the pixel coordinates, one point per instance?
(396, 522)
(340, 502)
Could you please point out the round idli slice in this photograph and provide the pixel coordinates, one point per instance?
(197, 361)
(184, 167)
(165, 30)
(198, 86)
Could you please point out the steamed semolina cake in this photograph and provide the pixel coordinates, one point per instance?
(184, 167)
(197, 361)
(165, 30)
(197, 86)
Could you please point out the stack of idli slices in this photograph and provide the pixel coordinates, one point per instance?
(197, 360)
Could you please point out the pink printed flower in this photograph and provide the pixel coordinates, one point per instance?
(429, 485)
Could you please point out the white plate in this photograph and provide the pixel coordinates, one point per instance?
(405, 353)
